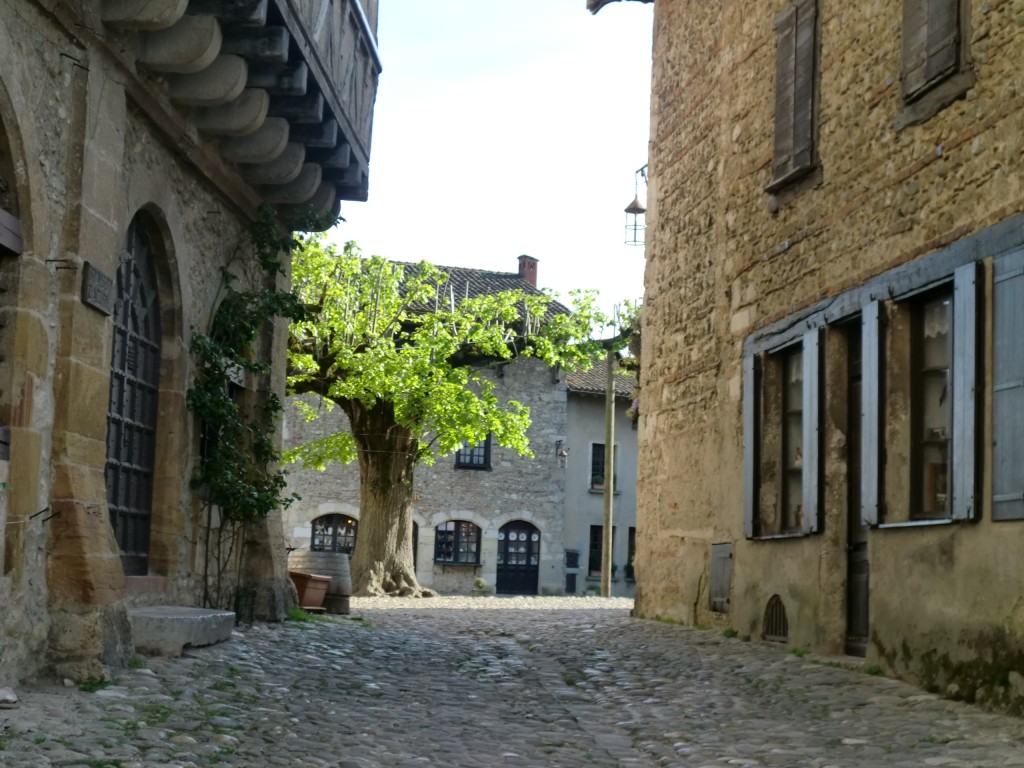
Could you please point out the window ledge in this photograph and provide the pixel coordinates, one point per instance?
(790, 177)
(918, 523)
(600, 492)
(456, 565)
(934, 101)
(776, 536)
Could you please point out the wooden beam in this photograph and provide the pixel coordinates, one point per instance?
(10, 233)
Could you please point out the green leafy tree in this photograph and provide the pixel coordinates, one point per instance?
(404, 356)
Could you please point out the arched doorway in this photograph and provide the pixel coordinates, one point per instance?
(518, 558)
(132, 408)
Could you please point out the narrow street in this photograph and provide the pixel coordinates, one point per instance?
(496, 681)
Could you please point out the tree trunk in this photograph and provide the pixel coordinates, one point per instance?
(382, 563)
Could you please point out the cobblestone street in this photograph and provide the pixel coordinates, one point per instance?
(496, 681)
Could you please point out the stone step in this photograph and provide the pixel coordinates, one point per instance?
(166, 630)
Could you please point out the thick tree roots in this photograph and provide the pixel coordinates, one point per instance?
(379, 581)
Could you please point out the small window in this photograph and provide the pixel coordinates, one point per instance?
(631, 553)
(781, 435)
(334, 533)
(721, 577)
(596, 547)
(936, 58)
(476, 456)
(457, 541)
(795, 110)
(931, 44)
(597, 469)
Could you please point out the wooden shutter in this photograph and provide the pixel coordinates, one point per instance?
(750, 439)
(796, 41)
(1008, 388)
(811, 470)
(931, 42)
(965, 330)
(871, 412)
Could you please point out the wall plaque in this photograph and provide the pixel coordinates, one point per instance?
(97, 289)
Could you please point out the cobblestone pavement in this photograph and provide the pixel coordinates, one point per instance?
(496, 682)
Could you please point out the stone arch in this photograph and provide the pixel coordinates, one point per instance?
(23, 303)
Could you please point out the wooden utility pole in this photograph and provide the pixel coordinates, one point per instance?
(609, 475)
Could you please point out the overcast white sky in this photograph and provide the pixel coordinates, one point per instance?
(504, 128)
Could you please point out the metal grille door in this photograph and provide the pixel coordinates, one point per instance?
(131, 413)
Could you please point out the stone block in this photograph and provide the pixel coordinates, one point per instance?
(167, 630)
(78, 384)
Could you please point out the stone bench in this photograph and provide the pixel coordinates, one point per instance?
(166, 630)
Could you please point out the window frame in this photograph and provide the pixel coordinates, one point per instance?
(597, 458)
(755, 431)
(476, 456)
(962, 452)
(459, 530)
(340, 527)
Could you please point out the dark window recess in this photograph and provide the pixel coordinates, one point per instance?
(931, 44)
(721, 576)
(334, 533)
(457, 541)
(474, 456)
(572, 558)
(594, 553)
(1008, 388)
(132, 407)
(795, 109)
(630, 553)
(776, 625)
(570, 583)
(597, 466)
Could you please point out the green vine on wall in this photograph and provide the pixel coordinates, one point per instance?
(238, 470)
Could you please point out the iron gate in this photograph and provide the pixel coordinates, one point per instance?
(132, 409)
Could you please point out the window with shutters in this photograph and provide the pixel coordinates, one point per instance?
(781, 439)
(795, 97)
(935, 53)
(924, 397)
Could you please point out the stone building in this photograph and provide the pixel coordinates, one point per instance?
(486, 512)
(831, 419)
(137, 141)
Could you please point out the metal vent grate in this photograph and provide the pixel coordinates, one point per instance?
(776, 625)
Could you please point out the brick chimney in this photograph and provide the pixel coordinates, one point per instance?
(528, 269)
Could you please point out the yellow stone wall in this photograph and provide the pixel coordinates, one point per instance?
(725, 259)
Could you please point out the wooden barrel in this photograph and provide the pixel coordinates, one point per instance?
(333, 564)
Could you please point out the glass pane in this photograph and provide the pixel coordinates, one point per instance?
(935, 405)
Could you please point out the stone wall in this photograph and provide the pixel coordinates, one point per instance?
(85, 163)
(515, 488)
(725, 260)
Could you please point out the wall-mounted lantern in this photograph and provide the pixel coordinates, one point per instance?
(636, 211)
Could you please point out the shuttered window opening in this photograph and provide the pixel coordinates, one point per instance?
(782, 476)
(1008, 388)
(775, 626)
(931, 44)
(929, 372)
(721, 577)
(795, 100)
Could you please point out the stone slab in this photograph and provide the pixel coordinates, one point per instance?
(166, 630)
